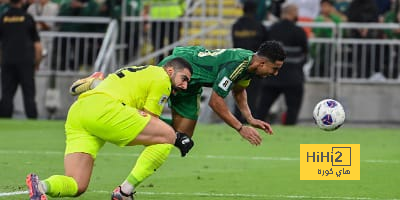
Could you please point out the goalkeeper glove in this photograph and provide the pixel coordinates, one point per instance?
(184, 143)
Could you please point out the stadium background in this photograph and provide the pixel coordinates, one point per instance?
(367, 99)
(221, 166)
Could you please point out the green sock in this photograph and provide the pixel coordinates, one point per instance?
(61, 186)
(149, 161)
(166, 120)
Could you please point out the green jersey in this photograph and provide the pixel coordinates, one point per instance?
(219, 69)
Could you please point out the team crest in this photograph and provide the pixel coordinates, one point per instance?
(163, 99)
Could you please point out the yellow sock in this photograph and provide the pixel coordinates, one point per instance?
(149, 161)
(61, 186)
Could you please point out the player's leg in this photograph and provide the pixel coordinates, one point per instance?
(155, 132)
(80, 153)
(123, 125)
(185, 109)
(183, 124)
(78, 169)
(82, 85)
(158, 137)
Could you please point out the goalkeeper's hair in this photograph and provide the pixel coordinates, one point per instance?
(179, 64)
(273, 50)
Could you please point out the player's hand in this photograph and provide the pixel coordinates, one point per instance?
(250, 134)
(266, 127)
(184, 143)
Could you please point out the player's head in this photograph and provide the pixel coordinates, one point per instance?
(268, 59)
(180, 71)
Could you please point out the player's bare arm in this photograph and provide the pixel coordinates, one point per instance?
(240, 96)
(219, 106)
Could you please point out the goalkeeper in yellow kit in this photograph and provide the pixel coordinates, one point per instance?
(123, 110)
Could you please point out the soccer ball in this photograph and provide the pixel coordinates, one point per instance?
(329, 114)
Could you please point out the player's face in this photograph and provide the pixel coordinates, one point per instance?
(180, 80)
(267, 68)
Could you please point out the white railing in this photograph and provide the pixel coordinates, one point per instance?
(69, 53)
(106, 59)
(352, 59)
(146, 45)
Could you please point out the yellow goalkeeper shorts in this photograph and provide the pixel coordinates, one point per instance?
(99, 118)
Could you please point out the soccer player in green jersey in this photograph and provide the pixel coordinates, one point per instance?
(224, 70)
(123, 110)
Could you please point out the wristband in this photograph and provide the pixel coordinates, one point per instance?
(240, 128)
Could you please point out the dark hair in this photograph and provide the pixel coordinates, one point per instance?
(15, 1)
(179, 64)
(332, 2)
(249, 7)
(363, 11)
(272, 50)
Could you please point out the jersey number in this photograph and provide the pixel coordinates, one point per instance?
(215, 52)
(121, 74)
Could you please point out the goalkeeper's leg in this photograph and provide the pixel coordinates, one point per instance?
(159, 139)
(78, 168)
(82, 85)
(149, 161)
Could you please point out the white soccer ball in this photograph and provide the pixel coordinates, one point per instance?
(329, 114)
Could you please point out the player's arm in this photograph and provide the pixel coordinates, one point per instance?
(226, 78)
(240, 95)
(219, 106)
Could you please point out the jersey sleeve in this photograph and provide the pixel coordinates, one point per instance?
(157, 96)
(229, 75)
(244, 83)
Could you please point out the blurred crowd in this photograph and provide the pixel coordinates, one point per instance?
(282, 16)
(82, 8)
(337, 11)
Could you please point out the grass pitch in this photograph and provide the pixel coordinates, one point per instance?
(221, 165)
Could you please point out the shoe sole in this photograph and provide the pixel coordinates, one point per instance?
(32, 195)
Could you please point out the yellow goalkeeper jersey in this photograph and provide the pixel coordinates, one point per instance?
(141, 87)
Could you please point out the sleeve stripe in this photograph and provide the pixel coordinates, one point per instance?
(235, 74)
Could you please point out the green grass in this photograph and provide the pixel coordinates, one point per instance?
(221, 165)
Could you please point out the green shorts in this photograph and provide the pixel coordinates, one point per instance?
(99, 118)
(187, 103)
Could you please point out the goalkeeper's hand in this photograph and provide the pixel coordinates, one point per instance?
(184, 143)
